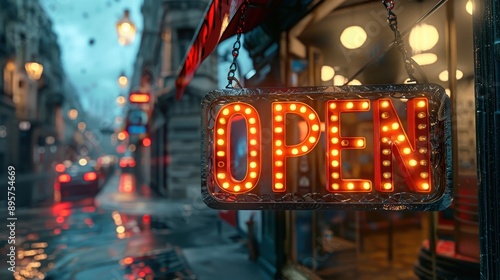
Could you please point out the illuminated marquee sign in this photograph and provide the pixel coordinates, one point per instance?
(139, 97)
(369, 147)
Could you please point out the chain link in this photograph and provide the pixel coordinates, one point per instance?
(236, 49)
(392, 20)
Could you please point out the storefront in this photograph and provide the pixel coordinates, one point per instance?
(312, 48)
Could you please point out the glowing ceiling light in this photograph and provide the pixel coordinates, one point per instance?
(469, 7)
(327, 73)
(425, 58)
(339, 80)
(354, 82)
(353, 37)
(423, 37)
(443, 76)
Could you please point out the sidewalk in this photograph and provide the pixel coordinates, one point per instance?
(122, 194)
(220, 258)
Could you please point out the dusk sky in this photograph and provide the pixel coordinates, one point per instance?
(92, 57)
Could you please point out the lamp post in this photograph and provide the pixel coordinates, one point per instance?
(34, 70)
(126, 29)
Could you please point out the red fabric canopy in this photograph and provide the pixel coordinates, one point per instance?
(212, 30)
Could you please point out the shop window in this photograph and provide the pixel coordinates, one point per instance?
(334, 243)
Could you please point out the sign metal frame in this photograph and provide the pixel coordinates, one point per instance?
(439, 120)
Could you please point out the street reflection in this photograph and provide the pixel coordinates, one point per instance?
(127, 183)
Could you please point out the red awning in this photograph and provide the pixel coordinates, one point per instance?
(213, 30)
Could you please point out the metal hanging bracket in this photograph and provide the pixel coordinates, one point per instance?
(236, 49)
(392, 20)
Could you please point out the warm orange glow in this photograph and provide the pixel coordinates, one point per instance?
(34, 70)
(90, 176)
(60, 167)
(281, 149)
(122, 135)
(139, 98)
(227, 114)
(126, 29)
(395, 145)
(146, 142)
(64, 178)
(405, 148)
(120, 229)
(333, 113)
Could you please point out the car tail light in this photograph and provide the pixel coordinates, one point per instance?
(123, 163)
(128, 260)
(89, 176)
(146, 142)
(64, 178)
(60, 167)
(131, 163)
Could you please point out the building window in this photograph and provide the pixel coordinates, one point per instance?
(8, 78)
(184, 37)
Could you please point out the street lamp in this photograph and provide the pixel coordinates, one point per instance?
(121, 100)
(82, 126)
(34, 70)
(72, 114)
(126, 29)
(122, 80)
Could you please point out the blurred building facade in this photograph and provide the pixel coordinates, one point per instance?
(175, 124)
(32, 119)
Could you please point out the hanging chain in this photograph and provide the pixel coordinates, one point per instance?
(392, 20)
(236, 49)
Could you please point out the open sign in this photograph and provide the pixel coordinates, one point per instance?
(364, 147)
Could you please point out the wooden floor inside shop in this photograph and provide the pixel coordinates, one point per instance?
(392, 253)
